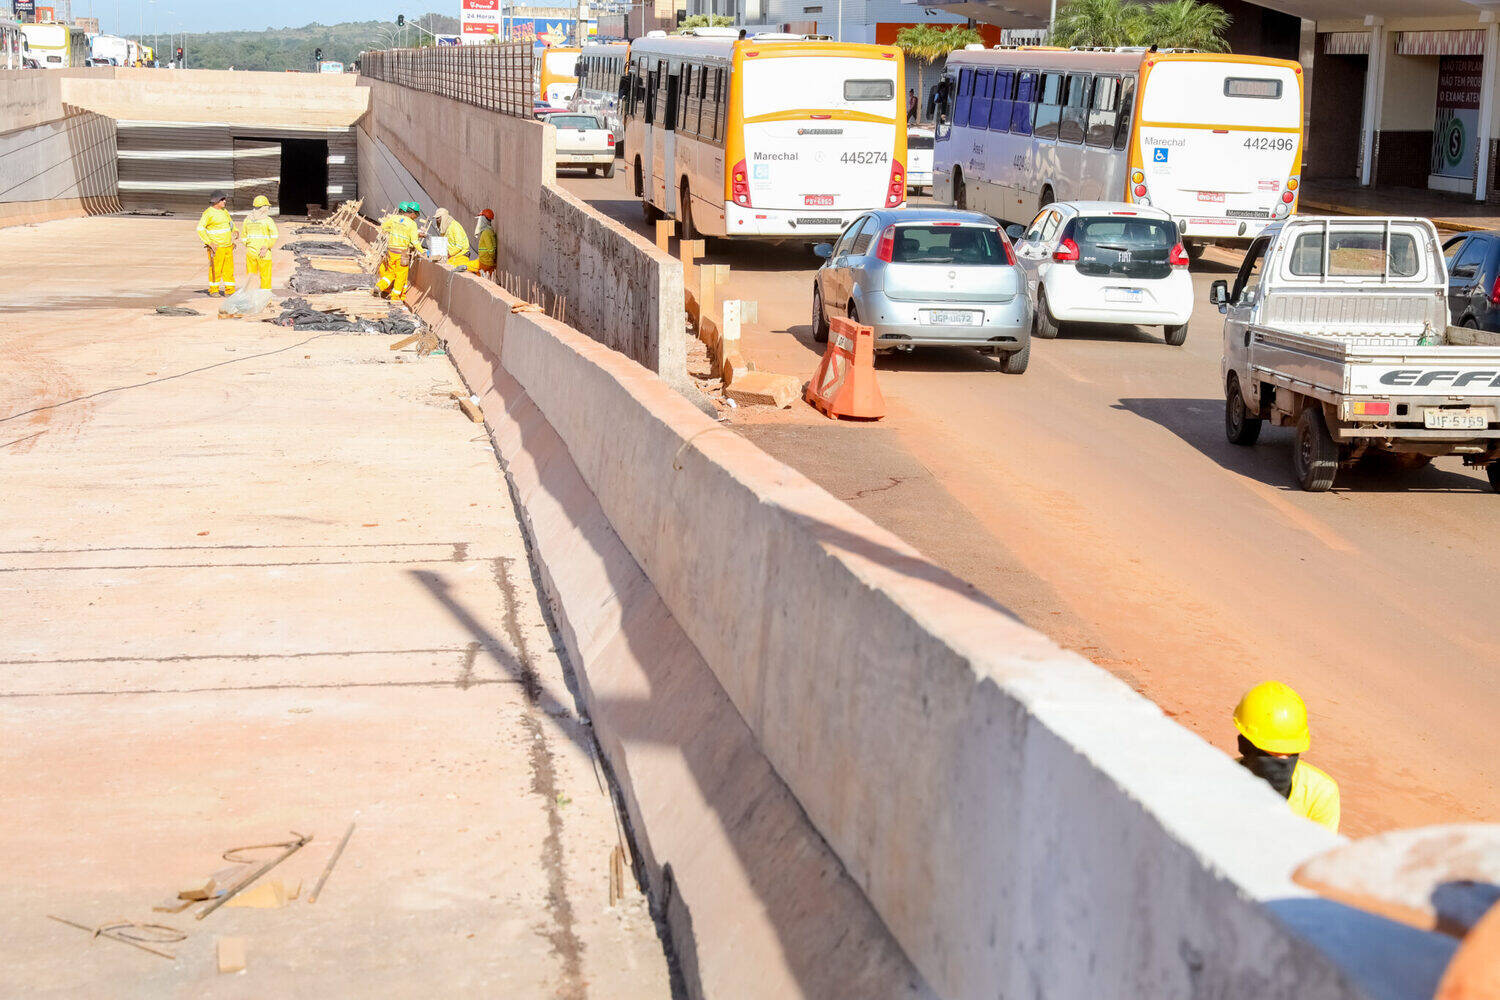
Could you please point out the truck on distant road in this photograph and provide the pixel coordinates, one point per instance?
(1339, 327)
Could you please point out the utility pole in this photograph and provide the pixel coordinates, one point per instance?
(1051, 22)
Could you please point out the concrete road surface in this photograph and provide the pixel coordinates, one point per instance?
(255, 581)
(1096, 497)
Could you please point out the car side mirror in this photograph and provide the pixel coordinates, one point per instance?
(1218, 293)
(1015, 232)
(824, 250)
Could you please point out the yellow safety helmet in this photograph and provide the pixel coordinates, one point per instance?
(261, 201)
(1273, 717)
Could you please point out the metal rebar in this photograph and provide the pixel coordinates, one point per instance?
(292, 847)
(328, 868)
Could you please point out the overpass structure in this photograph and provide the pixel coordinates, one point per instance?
(843, 771)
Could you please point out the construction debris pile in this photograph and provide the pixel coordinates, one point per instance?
(346, 314)
(326, 266)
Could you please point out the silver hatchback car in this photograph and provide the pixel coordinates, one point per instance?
(927, 277)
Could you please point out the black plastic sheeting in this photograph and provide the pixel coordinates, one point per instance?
(323, 248)
(311, 281)
(300, 315)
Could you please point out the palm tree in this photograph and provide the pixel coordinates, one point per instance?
(1188, 24)
(1173, 24)
(927, 43)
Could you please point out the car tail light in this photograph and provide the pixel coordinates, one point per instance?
(887, 248)
(1140, 190)
(1178, 257)
(1495, 292)
(896, 193)
(1010, 254)
(1066, 250)
(739, 184)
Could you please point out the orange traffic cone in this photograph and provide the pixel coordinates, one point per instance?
(844, 384)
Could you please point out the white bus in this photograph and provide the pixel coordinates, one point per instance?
(109, 50)
(557, 79)
(57, 46)
(773, 136)
(600, 68)
(12, 46)
(1214, 140)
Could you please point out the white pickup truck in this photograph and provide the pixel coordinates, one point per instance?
(1339, 327)
(583, 141)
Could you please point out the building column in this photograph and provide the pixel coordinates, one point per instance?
(1486, 103)
(1374, 98)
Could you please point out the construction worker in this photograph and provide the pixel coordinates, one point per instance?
(484, 230)
(216, 230)
(402, 240)
(1272, 721)
(259, 234)
(458, 241)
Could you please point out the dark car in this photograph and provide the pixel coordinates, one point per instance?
(1473, 261)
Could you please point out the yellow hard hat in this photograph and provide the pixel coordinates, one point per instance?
(261, 201)
(1273, 717)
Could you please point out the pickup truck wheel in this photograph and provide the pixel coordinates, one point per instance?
(1045, 326)
(1493, 472)
(819, 321)
(591, 171)
(609, 171)
(1015, 362)
(1239, 426)
(1315, 455)
(1176, 335)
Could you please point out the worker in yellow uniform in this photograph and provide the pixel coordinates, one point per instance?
(403, 240)
(1272, 721)
(216, 230)
(259, 234)
(458, 241)
(484, 230)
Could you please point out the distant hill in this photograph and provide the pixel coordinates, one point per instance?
(279, 49)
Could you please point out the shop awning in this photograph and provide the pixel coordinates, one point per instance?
(1469, 42)
(1344, 43)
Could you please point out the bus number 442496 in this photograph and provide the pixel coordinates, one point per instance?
(865, 157)
(1269, 142)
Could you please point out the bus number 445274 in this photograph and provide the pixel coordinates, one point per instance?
(866, 156)
(1269, 142)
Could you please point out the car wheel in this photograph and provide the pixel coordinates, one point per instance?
(853, 312)
(1315, 455)
(609, 171)
(1176, 335)
(819, 321)
(1469, 322)
(1239, 426)
(1493, 472)
(1045, 326)
(1015, 362)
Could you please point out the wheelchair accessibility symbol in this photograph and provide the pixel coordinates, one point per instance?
(1159, 155)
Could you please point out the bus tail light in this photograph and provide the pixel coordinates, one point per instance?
(1140, 190)
(1137, 176)
(1178, 257)
(896, 193)
(739, 184)
(1066, 251)
(887, 248)
(1287, 197)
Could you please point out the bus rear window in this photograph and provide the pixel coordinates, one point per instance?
(869, 90)
(974, 245)
(1244, 86)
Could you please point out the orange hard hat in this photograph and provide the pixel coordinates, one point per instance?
(488, 215)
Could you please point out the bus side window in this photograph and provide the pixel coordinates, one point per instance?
(979, 106)
(1127, 112)
(1025, 106)
(649, 96)
(1101, 124)
(721, 103)
(965, 95)
(1003, 100)
(1075, 108)
(687, 117)
(1049, 106)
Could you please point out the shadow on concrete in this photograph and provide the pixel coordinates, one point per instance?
(1200, 422)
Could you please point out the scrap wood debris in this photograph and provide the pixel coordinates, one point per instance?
(299, 314)
(319, 231)
(322, 248)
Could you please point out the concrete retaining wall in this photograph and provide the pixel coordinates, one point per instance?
(384, 182)
(1022, 823)
(56, 161)
(622, 290)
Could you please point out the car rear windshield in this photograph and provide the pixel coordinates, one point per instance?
(574, 121)
(968, 245)
(918, 141)
(1355, 254)
(1123, 246)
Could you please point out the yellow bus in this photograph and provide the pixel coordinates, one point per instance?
(57, 46)
(772, 136)
(557, 76)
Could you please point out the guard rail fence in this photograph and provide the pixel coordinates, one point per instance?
(498, 77)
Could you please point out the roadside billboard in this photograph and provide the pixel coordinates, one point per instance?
(1455, 130)
(546, 31)
(479, 21)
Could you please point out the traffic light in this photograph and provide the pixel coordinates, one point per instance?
(317, 55)
(179, 56)
(400, 20)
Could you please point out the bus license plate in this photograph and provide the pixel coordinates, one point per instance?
(1122, 295)
(1455, 420)
(818, 200)
(951, 317)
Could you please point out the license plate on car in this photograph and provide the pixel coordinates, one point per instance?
(952, 317)
(580, 156)
(1123, 295)
(1456, 420)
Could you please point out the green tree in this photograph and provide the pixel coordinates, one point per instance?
(705, 21)
(1174, 24)
(927, 43)
(1188, 24)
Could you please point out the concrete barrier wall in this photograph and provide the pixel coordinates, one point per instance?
(470, 159)
(1022, 823)
(384, 182)
(206, 96)
(56, 161)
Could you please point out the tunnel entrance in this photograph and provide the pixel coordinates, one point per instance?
(304, 175)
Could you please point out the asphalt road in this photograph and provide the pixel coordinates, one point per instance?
(1096, 497)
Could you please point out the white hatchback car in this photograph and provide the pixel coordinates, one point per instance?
(1105, 262)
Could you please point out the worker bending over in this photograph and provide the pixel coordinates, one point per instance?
(259, 234)
(216, 230)
(484, 229)
(458, 240)
(1272, 721)
(402, 241)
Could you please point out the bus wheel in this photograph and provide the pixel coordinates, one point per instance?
(1047, 198)
(640, 182)
(685, 211)
(960, 196)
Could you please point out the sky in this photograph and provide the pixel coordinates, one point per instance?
(128, 16)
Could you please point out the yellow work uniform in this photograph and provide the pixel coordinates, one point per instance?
(216, 230)
(1314, 795)
(458, 247)
(402, 240)
(487, 250)
(259, 236)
